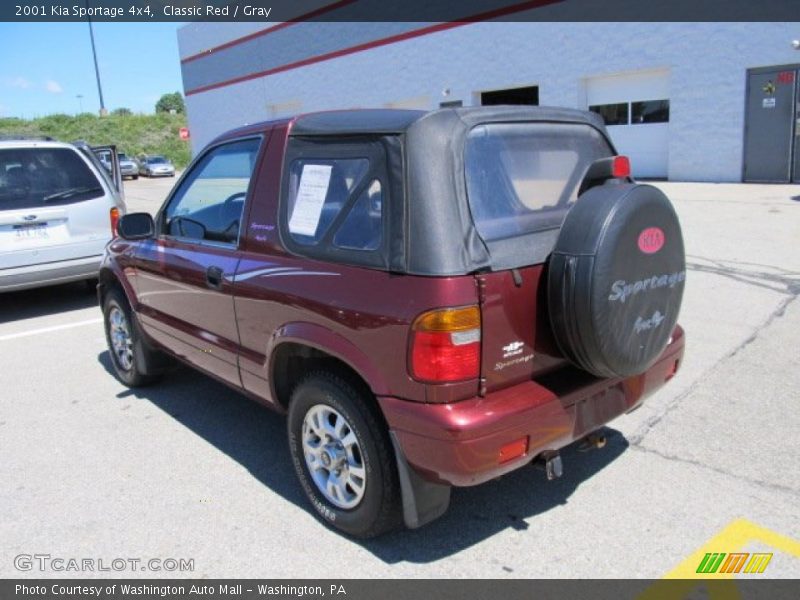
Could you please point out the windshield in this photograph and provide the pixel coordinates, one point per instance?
(157, 160)
(34, 177)
(523, 177)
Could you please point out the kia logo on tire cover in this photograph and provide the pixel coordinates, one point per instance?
(651, 240)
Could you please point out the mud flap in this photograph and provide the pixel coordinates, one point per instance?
(423, 501)
(150, 361)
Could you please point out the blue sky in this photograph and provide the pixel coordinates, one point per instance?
(45, 66)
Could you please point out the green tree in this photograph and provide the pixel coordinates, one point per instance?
(170, 102)
(122, 112)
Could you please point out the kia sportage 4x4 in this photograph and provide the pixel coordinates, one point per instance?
(435, 299)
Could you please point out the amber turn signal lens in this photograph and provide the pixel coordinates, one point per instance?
(449, 319)
(114, 215)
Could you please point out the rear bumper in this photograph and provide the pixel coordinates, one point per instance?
(459, 443)
(31, 276)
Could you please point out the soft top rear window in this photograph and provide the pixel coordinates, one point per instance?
(35, 177)
(523, 177)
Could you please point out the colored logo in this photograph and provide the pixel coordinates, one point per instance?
(651, 240)
(735, 562)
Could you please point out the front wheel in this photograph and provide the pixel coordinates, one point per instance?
(125, 345)
(343, 457)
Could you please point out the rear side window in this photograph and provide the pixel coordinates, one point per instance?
(362, 228)
(36, 177)
(318, 191)
(335, 199)
(523, 177)
(335, 193)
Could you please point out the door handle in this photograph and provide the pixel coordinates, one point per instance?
(214, 278)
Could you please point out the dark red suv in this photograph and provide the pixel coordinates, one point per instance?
(435, 299)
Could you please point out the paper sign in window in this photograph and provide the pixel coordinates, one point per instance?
(311, 192)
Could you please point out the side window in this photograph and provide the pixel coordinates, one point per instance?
(210, 201)
(362, 228)
(318, 191)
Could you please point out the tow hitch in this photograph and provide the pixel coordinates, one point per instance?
(591, 442)
(551, 463)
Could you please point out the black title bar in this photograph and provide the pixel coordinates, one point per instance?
(276, 11)
(361, 589)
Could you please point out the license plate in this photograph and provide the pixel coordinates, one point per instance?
(37, 231)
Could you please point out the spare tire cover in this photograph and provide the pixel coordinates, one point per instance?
(616, 279)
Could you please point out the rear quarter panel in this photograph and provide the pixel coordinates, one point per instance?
(362, 316)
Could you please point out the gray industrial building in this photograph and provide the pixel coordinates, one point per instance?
(686, 101)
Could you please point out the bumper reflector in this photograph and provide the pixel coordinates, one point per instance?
(672, 370)
(513, 450)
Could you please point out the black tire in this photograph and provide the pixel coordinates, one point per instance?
(134, 374)
(134, 177)
(378, 510)
(616, 279)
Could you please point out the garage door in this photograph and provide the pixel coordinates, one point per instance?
(635, 107)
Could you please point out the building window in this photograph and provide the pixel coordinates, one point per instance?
(613, 114)
(650, 111)
(524, 95)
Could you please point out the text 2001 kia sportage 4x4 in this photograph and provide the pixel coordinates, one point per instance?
(435, 299)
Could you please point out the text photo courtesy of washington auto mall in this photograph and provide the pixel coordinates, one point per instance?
(378, 299)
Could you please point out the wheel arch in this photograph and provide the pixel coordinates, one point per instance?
(297, 348)
(109, 278)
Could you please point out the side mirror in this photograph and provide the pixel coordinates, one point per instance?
(136, 226)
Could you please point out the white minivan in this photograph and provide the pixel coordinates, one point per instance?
(58, 209)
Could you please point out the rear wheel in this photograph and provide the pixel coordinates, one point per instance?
(125, 345)
(343, 457)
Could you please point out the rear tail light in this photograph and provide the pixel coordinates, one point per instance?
(621, 167)
(446, 345)
(114, 215)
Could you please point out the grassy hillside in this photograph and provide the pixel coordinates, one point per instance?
(133, 134)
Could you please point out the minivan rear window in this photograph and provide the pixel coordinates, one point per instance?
(523, 177)
(35, 177)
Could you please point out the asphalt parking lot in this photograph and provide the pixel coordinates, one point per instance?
(190, 470)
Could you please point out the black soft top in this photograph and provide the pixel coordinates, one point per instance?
(396, 121)
(431, 228)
